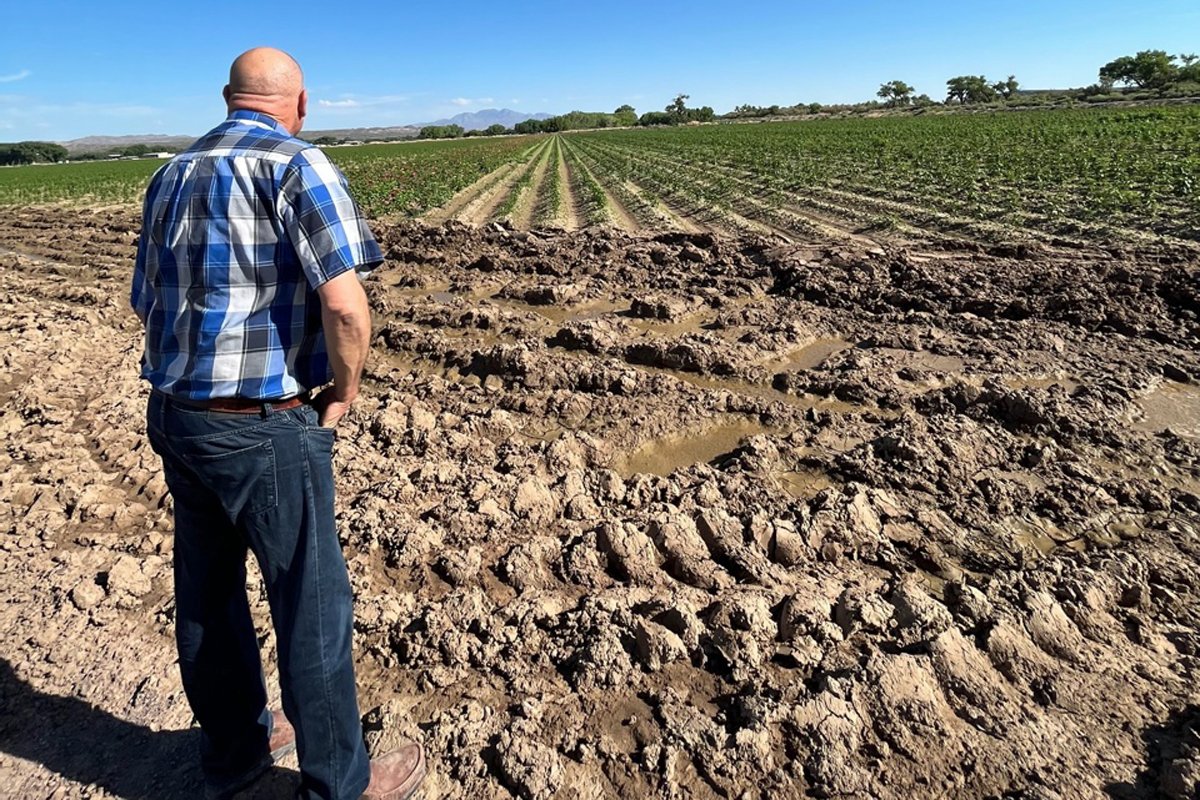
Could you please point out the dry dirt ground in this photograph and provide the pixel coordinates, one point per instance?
(679, 516)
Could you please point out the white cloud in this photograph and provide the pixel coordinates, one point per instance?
(20, 75)
(347, 103)
(472, 101)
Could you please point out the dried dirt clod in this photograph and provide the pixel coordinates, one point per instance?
(918, 616)
(528, 767)
(125, 576)
(631, 554)
(86, 594)
(534, 501)
(658, 646)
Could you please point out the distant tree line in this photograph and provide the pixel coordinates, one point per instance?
(1146, 75)
(32, 153)
(1152, 69)
(441, 132)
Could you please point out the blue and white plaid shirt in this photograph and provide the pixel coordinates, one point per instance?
(238, 232)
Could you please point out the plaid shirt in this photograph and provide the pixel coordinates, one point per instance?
(238, 232)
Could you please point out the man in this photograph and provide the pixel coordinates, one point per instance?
(246, 280)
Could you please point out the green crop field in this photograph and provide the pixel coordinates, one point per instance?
(408, 177)
(1069, 172)
(1106, 174)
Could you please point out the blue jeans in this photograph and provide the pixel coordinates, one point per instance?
(261, 481)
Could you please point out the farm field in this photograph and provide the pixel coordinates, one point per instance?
(1039, 177)
(855, 458)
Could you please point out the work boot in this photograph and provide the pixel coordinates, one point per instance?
(396, 775)
(282, 742)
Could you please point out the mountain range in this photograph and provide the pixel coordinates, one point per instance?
(480, 120)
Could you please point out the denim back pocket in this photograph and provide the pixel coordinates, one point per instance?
(243, 479)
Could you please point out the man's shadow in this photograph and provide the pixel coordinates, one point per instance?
(85, 744)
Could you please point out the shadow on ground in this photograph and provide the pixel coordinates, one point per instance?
(1173, 759)
(89, 746)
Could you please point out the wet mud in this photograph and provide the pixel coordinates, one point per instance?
(679, 516)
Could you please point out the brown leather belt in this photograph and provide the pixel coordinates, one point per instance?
(239, 405)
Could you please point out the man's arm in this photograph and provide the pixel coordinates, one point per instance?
(333, 243)
(141, 293)
(346, 319)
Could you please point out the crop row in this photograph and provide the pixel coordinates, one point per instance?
(406, 178)
(1077, 170)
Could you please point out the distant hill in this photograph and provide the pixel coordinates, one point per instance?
(100, 144)
(479, 120)
(470, 121)
(363, 134)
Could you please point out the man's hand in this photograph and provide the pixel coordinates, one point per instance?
(329, 408)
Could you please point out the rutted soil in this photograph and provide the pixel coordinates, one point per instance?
(678, 516)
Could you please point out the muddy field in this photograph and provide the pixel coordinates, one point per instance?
(683, 516)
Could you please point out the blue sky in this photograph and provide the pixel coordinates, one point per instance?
(118, 67)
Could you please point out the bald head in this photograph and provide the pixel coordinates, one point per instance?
(270, 82)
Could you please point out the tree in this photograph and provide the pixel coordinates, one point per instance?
(495, 130)
(441, 132)
(1149, 69)
(678, 110)
(625, 116)
(969, 89)
(956, 90)
(1190, 71)
(32, 153)
(325, 140)
(656, 118)
(528, 126)
(1008, 88)
(896, 93)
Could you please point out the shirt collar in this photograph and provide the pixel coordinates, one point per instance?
(242, 115)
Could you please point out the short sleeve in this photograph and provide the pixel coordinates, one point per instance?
(323, 223)
(141, 295)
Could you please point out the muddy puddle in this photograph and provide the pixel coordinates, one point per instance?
(1042, 536)
(677, 451)
(1172, 406)
(561, 314)
(923, 360)
(804, 483)
(1068, 384)
(750, 389)
(808, 356)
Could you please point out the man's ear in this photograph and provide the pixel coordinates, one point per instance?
(226, 94)
(302, 106)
